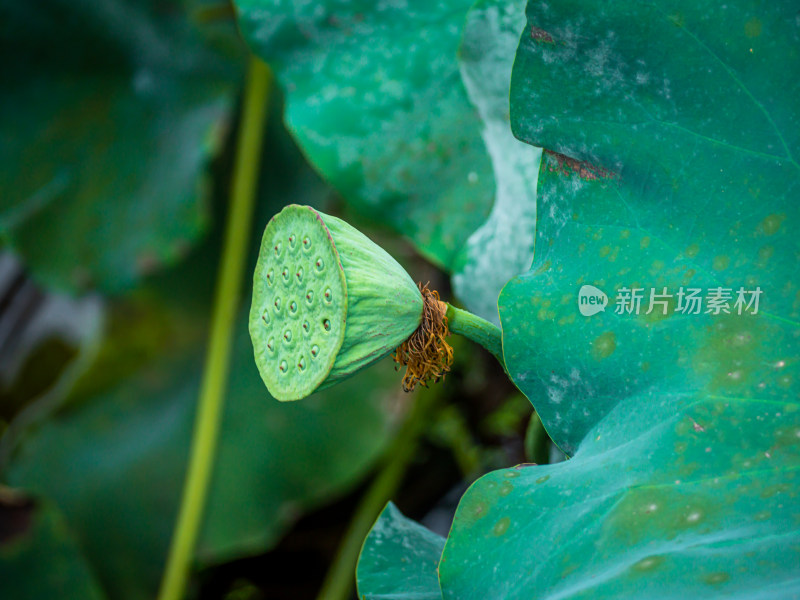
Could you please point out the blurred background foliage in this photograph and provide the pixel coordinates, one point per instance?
(118, 119)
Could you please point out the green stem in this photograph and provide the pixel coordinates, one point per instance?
(537, 441)
(339, 579)
(226, 304)
(476, 329)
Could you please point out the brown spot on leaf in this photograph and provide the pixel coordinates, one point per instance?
(566, 165)
(752, 28)
(540, 35)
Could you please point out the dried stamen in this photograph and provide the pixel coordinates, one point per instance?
(426, 355)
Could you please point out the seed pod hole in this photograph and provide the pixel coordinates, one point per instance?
(292, 241)
(301, 364)
(299, 274)
(309, 297)
(306, 243)
(277, 304)
(265, 317)
(293, 307)
(287, 336)
(285, 274)
(271, 345)
(278, 248)
(270, 277)
(326, 324)
(283, 366)
(328, 296)
(314, 350)
(306, 326)
(320, 265)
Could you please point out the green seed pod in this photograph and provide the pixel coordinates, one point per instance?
(327, 302)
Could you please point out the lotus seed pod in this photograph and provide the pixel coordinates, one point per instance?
(327, 302)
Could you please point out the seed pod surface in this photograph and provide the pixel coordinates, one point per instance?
(299, 307)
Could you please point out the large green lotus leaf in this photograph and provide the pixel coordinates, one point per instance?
(110, 111)
(502, 247)
(683, 428)
(39, 557)
(115, 464)
(399, 554)
(694, 187)
(375, 99)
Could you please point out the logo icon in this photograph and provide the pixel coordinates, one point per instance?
(591, 300)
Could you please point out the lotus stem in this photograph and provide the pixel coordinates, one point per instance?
(218, 355)
(476, 329)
